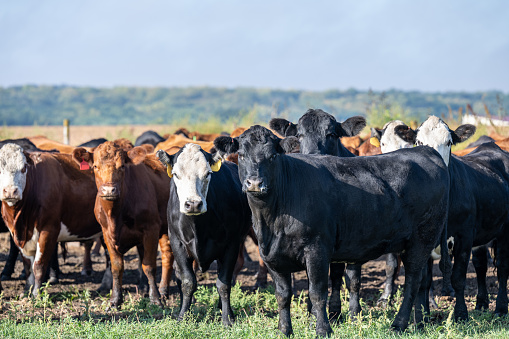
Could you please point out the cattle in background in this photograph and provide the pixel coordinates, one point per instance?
(130, 205)
(296, 234)
(45, 199)
(478, 212)
(93, 143)
(208, 219)
(149, 137)
(319, 133)
(197, 136)
(176, 141)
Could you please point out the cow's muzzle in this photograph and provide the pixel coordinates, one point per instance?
(192, 207)
(255, 185)
(109, 192)
(11, 195)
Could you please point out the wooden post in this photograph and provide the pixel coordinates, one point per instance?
(67, 135)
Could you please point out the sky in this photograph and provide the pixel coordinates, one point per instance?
(456, 45)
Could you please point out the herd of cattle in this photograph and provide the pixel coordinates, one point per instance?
(309, 194)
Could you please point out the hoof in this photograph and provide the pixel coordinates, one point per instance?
(432, 303)
(86, 273)
(53, 280)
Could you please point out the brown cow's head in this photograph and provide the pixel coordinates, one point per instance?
(109, 162)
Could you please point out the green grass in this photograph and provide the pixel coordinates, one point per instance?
(75, 314)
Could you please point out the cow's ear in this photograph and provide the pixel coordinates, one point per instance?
(462, 133)
(166, 160)
(148, 148)
(216, 162)
(284, 127)
(290, 145)
(32, 157)
(406, 133)
(137, 155)
(351, 126)
(376, 136)
(83, 157)
(226, 145)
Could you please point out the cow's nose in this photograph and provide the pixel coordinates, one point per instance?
(11, 192)
(109, 191)
(193, 206)
(254, 185)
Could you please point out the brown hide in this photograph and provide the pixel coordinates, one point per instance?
(46, 144)
(351, 142)
(368, 149)
(175, 142)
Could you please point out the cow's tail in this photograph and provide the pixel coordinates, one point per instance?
(445, 259)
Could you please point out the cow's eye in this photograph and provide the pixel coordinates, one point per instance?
(24, 169)
(449, 143)
(332, 135)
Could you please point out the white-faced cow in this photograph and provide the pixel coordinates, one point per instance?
(309, 210)
(45, 199)
(130, 205)
(478, 211)
(208, 219)
(319, 133)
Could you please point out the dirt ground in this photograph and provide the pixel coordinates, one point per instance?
(373, 276)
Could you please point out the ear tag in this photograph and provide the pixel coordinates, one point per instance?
(215, 167)
(374, 141)
(168, 170)
(194, 138)
(84, 165)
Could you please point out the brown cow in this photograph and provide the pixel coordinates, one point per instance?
(45, 199)
(176, 141)
(197, 136)
(131, 202)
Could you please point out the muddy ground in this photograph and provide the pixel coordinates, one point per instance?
(373, 275)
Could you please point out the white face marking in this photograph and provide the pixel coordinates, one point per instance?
(390, 141)
(191, 174)
(435, 133)
(13, 173)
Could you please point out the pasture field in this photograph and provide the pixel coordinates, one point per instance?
(72, 308)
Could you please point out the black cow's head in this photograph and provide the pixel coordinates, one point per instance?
(259, 150)
(318, 131)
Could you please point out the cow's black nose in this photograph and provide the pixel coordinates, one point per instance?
(193, 206)
(254, 185)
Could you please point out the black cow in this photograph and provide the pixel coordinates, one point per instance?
(319, 133)
(93, 142)
(208, 219)
(478, 210)
(149, 137)
(483, 139)
(309, 210)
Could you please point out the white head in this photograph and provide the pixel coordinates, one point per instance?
(13, 173)
(435, 133)
(388, 139)
(191, 169)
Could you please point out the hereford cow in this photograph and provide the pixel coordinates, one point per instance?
(130, 204)
(330, 225)
(478, 211)
(208, 219)
(319, 133)
(45, 199)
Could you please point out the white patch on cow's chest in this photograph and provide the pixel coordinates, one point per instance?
(65, 234)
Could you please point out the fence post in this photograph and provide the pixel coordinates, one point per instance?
(66, 132)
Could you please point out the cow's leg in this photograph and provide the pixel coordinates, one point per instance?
(480, 261)
(283, 282)
(317, 275)
(239, 263)
(336, 277)
(354, 274)
(167, 265)
(107, 280)
(187, 280)
(391, 267)
(45, 247)
(462, 250)
(414, 260)
(502, 265)
(87, 259)
(117, 271)
(226, 267)
(54, 269)
(261, 276)
(149, 265)
(421, 308)
(30, 279)
(142, 278)
(11, 260)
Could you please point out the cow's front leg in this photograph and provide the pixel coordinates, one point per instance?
(336, 277)
(480, 262)
(117, 271)
(354, 274)
(462, 250)
(226, 267)
(150, 241)
(45, 247)
(502, 265)
(391, 269)
(283, 282)
(317, 269)
(187, 282)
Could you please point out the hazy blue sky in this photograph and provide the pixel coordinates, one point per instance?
(291, 44)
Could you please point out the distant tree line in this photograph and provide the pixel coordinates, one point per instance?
(49, 105)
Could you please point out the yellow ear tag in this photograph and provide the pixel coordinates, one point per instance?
(374, 141)
(216, 166)
(168, 170)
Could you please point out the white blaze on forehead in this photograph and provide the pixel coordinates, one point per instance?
(390, 141)
(12, 162)
(191, 176)
(435, 133)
